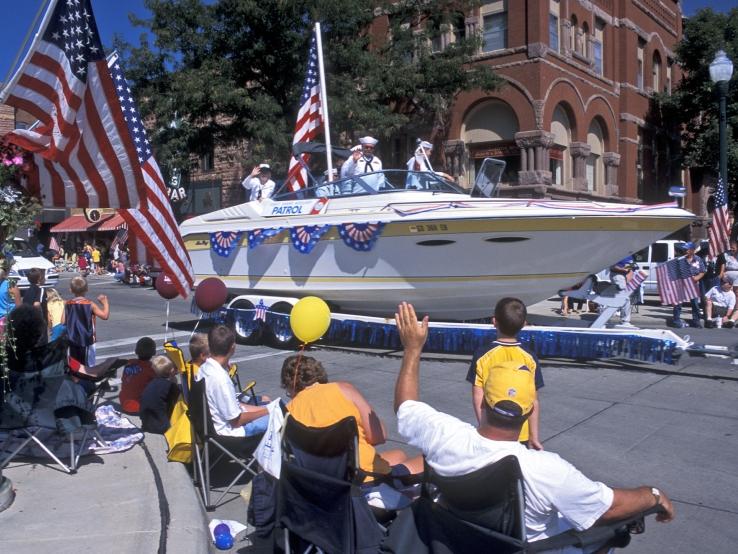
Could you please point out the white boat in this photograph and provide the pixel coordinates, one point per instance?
(366, 243)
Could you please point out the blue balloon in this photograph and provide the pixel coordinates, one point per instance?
(224, 541)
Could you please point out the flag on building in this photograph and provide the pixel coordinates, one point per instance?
(309, 119)
(675, 283)
(88, 151)
(719, 229)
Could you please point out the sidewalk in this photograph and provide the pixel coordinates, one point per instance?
(130, 502)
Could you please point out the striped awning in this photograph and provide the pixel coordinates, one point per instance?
(78, 223)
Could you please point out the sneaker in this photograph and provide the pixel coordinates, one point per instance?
(729, 324)
(696, 323)
(710, 324)
(678, 323)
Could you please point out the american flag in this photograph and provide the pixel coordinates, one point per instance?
(309, 118)
(90, 149)
(120, 239)
(636, 281)
(675, 282)
(719, 229)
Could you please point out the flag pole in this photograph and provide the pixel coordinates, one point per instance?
(324, 102)
(29, 52)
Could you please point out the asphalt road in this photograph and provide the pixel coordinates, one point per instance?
(625, 424)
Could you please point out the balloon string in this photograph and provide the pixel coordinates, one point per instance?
(297, 369)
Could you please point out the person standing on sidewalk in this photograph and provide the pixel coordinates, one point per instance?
(697, 270)
(620, 274)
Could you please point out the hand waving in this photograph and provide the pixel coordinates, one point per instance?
(413, 333)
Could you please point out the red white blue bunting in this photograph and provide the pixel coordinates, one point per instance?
(225, 242)
(360, 236)
(305, 238)
(257, 236)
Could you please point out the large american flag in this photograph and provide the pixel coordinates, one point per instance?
(675, 282)
(719, 229)
(86, 150)
(309, 118)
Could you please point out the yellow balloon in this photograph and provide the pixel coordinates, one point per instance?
(310, 318)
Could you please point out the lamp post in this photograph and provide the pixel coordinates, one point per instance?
(721, 70)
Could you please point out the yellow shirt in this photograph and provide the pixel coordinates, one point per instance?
(322, 406)
(96, 256)
(505, 353)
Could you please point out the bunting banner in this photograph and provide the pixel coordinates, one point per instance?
(257, 236)
(360, 236)
(306, 237)
(225, 242)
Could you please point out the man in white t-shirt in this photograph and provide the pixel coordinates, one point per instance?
(231, 418)
(557, 495)
(720, 303)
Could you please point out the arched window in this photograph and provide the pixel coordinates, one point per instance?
(574, 30)
(489, 131)
(595, 165)
(656, 72)
(559, 153)
(585, 40)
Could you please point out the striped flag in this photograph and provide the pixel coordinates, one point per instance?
(636, 281)
(309, 119)
(719, 229)
(90, 148)
(120, 239)
(675, 282)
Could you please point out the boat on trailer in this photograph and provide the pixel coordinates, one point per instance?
(367, 242)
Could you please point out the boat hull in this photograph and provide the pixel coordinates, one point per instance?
(451, 268)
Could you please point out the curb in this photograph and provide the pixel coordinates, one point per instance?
(187, 528)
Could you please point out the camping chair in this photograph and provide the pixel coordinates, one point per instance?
(238, 449)
(484, 511)
(319, 496)
(41, 396)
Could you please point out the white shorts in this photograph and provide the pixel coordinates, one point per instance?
(732, 276)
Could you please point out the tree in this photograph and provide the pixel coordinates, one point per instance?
(232, 70)
(694, 104)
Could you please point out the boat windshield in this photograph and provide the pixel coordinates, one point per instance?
(380, 182)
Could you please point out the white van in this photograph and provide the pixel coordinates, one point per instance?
(25, 258)
(653, 255)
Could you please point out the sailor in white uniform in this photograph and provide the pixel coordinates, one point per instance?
(363, 161)
(421, 162)
(259, 184)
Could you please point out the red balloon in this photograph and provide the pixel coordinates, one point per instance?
(165, 287)
(210, 294)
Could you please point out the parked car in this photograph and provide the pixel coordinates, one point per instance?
(25, 258)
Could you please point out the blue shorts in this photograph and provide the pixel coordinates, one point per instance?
(257, 427)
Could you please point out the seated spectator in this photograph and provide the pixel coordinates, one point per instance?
(120, 271)
(558, 496)
(318, 403)
(199, 351)
(159, 396)
(136, 375)
(231, 417)
(720, 303)
(28, 330)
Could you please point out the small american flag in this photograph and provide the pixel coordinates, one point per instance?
(719, 229)
(675, 282)
(120, 239)
(260, 310)
(636, 281)
(309, 119)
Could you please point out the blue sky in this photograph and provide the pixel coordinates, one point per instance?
(112, 18)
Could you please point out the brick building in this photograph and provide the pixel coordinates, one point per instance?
(573, 118)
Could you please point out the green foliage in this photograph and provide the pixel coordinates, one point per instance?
(694, 103)
(17, 208)
(232, 70)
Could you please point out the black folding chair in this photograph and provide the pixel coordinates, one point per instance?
(238, 449)
(319, 499)
(484, 511)
(42, 396)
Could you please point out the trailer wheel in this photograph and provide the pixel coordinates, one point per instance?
(280, 332)
(247, 332)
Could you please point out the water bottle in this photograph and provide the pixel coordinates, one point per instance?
(223, 537)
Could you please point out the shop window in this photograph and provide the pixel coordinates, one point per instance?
(207, 161)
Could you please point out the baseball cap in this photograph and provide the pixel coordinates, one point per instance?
(686, 246)
(510, 389)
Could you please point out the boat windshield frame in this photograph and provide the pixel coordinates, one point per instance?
(379, 182)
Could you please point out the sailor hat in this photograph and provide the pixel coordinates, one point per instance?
(369, 141)
(264, 167)
(427, 145)
(356, 148)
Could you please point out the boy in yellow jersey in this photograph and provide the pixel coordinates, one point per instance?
(509, 319)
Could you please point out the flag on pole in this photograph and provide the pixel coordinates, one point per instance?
(719, 229)
(675, 283)
(309, 119)
(89, 148)
(120, 239)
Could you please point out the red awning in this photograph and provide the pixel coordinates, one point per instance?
(78, 223)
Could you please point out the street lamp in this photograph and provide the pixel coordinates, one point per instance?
(721, 70)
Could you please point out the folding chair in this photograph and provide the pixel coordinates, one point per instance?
(42, 396)
(484, 511)
(237, 449)
(320, 503)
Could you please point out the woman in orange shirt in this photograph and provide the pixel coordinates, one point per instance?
(318, 403)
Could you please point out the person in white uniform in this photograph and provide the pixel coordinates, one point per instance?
(421, 162)
(259, 183)
(364, 161)
(557, 495)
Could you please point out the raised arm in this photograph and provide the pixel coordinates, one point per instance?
(413, 335)
(104, 311)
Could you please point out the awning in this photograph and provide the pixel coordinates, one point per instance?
(77, 223)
